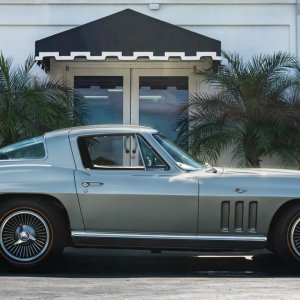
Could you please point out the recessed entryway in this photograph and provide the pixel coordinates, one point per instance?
(150, 97)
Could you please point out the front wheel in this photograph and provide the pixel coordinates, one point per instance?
(286, 240)
(31, 233)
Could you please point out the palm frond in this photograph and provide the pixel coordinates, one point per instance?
(30, 107)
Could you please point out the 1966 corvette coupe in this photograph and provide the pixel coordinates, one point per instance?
(129, 187)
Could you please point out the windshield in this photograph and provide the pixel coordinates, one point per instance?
(29, 149)
(182, 159)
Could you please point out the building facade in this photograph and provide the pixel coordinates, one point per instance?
(134, 62)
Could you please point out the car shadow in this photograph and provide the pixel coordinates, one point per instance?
(93, 263)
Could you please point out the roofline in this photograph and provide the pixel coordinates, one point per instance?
(107, 128)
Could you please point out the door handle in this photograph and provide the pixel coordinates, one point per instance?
(86, 184)
(125, 144)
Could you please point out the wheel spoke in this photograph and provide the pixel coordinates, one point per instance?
(25, 251)
(35, 248)
(19, 220)
(31, 221)
(14, 223)
(14, 249)
(10, 226)
(29, 251)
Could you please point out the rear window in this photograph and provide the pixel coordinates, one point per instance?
(28, 149)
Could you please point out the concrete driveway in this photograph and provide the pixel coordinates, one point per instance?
(120, 274)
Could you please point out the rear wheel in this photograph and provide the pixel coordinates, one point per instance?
(31, 232)
(286, 238)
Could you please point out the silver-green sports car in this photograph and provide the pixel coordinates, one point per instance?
(120, 186)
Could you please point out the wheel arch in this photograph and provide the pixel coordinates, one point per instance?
(284, 207)
(53, 201)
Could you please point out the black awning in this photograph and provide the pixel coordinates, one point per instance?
(126, 35)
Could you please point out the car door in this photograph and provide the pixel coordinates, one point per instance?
(124, 186)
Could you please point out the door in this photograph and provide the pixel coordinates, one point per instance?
(157, 96)
(149, 97)
(124, 186)
(105, 94)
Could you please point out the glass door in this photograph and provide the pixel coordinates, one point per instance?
(149, 97)
(157, 97)
(103, 98)
(105, 94)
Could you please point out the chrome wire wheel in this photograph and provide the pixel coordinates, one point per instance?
(295, 236)
(24, 236)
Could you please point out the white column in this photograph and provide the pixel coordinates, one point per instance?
(298, 28)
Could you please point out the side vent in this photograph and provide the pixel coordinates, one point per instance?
(252, 216)
(225, 210)
(239, 215)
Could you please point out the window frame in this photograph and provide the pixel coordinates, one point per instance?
(87, 163)
(86, 159)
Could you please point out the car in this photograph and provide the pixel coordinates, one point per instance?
(125, 186)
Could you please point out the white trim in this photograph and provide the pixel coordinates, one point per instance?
(122, 57)
(242, 238)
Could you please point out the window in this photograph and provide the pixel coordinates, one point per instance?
(127, 151)
(103, 98)
(29, 149)
(151, 159)
(110, 152)
(160, 100)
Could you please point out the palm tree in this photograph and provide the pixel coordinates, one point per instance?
(254, 111)
(29, 107)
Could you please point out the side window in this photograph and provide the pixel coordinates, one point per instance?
(33, 148)
(109, 152)
(151, 159)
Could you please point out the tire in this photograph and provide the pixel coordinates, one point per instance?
(32, 232)
(286, 238)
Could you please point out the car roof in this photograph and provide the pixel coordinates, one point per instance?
(102, 129)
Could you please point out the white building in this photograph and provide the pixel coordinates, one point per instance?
(134, 69)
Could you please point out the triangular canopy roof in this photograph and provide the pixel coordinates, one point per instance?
(126, 35)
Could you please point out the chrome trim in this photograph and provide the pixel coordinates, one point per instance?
(170, 237)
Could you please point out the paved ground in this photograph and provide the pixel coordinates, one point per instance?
(106, 274)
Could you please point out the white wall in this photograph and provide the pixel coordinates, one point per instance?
(246, 26)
